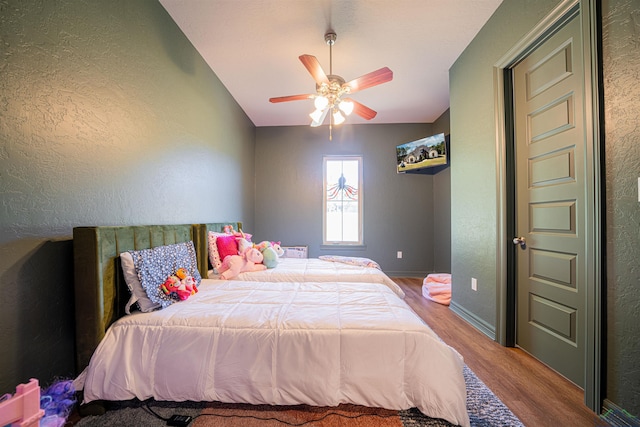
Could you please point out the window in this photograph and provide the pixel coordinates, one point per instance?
(342, 204)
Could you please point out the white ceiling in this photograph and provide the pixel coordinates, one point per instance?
(253, 48)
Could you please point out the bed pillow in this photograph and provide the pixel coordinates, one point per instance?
(156, 264)
(351, 260)
(214, 255)
(227, 245)
(138, 295)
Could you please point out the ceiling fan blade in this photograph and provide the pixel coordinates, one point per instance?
(290, 98)
(313, 66)
(362, 110)
(373, 78)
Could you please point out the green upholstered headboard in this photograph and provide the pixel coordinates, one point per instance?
(100, 290)
(201, 232)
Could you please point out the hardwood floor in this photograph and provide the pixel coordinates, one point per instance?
(534, 393)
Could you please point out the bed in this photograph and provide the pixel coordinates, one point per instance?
(257, 342)
(298, 269)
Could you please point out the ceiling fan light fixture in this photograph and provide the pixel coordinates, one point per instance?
(316, 115)
(338, 118)
(346, 107)
(321, 102)
(330, 88)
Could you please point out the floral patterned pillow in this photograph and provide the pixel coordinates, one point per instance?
(156, 264)
(214, 255)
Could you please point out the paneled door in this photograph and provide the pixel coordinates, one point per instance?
(551, 203)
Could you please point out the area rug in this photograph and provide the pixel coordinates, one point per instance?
(231, 415)
(484, 407)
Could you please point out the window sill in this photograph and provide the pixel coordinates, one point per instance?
(338, 247)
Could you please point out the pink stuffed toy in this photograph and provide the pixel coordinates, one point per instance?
(243, 245)
(180, 284)
(236, 264)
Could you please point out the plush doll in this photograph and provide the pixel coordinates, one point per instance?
(235, 264)
(270, 257)
(276, 246)
(181, 284)
(243, 245)
(269, 254)
(262, 245)
(228, 229)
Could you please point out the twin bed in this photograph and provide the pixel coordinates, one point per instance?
(310, 332)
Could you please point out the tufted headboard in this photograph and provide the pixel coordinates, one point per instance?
(100, 290)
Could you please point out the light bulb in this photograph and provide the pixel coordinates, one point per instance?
(320, 102)
(338, 118)
(315, 116)
(346, 107)
(318, 117)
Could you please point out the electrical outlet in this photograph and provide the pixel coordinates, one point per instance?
(474, 284)
(399, 254)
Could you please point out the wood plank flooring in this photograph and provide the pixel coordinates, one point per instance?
(534, 393)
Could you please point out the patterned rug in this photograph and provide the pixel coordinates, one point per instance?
(484, 407)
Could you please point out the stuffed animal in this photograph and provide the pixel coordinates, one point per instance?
(180, 284)
(262, 245)
(269, 254)
(243, 245)
(235, 264)
(276, 246)
(270, 257)
(228, 229)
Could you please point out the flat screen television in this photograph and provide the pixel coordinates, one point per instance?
(425, 155)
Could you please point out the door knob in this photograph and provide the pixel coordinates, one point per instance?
(520, 241)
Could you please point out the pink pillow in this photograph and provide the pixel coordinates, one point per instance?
(227, 245)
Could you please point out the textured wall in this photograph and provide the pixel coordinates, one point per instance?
(108, 115)
(442, 206)
(621, 58)
(473, 159)
(398, 208)
(473, 211)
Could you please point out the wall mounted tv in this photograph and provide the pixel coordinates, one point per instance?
(426, 155)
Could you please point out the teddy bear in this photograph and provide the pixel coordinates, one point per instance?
(180, 284)
(233, 265)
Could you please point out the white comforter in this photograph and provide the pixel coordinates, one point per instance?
(320, 344)
(317, 270)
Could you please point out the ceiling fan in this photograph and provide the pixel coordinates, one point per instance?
(332, 89)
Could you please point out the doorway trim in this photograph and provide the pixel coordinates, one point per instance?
(505, 173)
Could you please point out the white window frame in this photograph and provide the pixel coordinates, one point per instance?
(360, 240)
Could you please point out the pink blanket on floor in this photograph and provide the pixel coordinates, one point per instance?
(437, 287)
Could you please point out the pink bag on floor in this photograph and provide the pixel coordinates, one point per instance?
(437, 287)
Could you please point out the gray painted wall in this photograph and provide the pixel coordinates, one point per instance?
(621, 57)
(473, 177)
(398, 208)
(108, 115)
(473, 159)
(442, 206)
